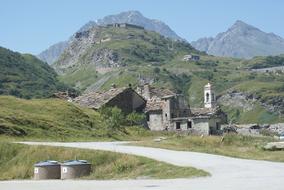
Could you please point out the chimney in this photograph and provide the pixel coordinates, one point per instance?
(146, 92)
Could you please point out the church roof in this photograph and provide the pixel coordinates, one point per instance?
(204, 111)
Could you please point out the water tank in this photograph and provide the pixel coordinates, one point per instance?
(74, 169)
(49, 169)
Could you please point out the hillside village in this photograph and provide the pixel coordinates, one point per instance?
(125, 101)
(164, 109)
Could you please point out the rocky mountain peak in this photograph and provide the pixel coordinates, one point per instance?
(240, 26)
(241, 40)
(240, 23)
(131, 17)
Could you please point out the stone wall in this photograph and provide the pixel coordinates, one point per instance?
(183, 125)
(155, 122)
(201, 126)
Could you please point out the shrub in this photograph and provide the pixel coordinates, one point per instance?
(113, 117)
(157, 70)
(135, 118)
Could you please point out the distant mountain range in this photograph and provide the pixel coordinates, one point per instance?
(51, 54)
(241, 41)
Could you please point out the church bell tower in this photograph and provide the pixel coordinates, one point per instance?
(209, 96)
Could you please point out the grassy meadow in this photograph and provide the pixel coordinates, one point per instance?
(232, 145)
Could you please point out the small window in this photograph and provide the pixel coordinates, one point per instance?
(166, 115)
(177, 125)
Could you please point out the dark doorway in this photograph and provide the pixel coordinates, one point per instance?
(189, 124)
(177, 125)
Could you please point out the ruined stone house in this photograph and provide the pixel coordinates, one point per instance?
(162, 107)
(126, 99)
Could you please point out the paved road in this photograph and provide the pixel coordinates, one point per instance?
(227, 173)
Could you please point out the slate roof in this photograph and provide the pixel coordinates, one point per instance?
(153, 105)
(96, 100)
(161, 92)
(203, 111)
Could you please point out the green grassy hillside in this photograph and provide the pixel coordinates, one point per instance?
(265, 62)
(53, 119)
(105, 47)
(26, 76)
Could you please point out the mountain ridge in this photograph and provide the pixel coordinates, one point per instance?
(241, 40)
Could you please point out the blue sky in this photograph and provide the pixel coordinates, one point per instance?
(30, 26)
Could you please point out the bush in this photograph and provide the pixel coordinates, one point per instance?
(135, 118)
(157, 70)
(113, 117)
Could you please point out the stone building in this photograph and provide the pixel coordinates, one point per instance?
(124, 25)
(191, 58)
(167, 110)
(162, 107)
(207, 120)
(126, 99)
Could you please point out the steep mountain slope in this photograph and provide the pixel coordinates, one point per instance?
(51, 54)
(241, 41)
(26, 76)
(107, 49)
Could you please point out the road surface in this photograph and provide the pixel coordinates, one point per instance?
(227, 173)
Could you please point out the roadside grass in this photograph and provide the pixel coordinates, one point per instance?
(238, 146)
(17, 160)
